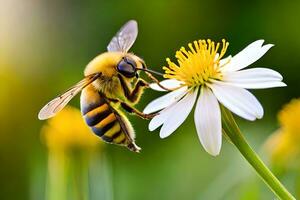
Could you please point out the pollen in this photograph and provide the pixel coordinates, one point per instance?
(199, 64)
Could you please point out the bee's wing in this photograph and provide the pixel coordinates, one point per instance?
(125, 38)
(57, 104)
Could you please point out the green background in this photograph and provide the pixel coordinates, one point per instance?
(45, 45)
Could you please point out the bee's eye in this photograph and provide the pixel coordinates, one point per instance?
(127, 67)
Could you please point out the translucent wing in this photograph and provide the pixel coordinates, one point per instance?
(125, 38)
(57, 104)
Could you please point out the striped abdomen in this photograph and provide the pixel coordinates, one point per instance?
(105, 121)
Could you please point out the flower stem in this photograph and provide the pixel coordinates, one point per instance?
(56, 186)
(231, 129)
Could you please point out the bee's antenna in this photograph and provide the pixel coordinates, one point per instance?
(150, 71)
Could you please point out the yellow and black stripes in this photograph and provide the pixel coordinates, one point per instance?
(104, 120)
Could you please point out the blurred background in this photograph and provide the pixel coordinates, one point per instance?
(44, 47)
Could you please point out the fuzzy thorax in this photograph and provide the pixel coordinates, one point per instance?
(105, 63)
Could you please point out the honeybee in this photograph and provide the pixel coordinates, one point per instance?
(111, 81)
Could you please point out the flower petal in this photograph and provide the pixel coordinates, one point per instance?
(238, 100)
(159, 119)
(225, 60)
(247, 56)
(258, 85)
(165, 100)
(179, 113)
(169, 84)
(255, 78)
(208, 122)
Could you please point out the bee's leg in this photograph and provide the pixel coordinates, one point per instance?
(132, 110)
(137, 91)
(134, 94)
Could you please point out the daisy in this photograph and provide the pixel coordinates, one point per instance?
(205, 79)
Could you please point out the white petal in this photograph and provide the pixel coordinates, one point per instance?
(225, 60)
(179, 113)
(208, 122)
(159, 119)
(163, 115)
(258, 85)
(165, 100)
(156, 122)
(169, 84)
(247, 56)
(255, 73)
(255, 78)
(238, 100)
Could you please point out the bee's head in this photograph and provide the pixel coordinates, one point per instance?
(127, 67)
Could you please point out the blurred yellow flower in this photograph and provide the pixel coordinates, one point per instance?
(284, 145)
(289, 118)
(68, 131)
(72, 147)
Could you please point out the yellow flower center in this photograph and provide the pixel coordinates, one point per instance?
(199, 64)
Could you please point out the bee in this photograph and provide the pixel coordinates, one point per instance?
(111, 80)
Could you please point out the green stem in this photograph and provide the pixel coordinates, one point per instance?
(231, 129)
(56, 186)
(79, 164)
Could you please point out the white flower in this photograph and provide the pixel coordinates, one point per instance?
(202, 73)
